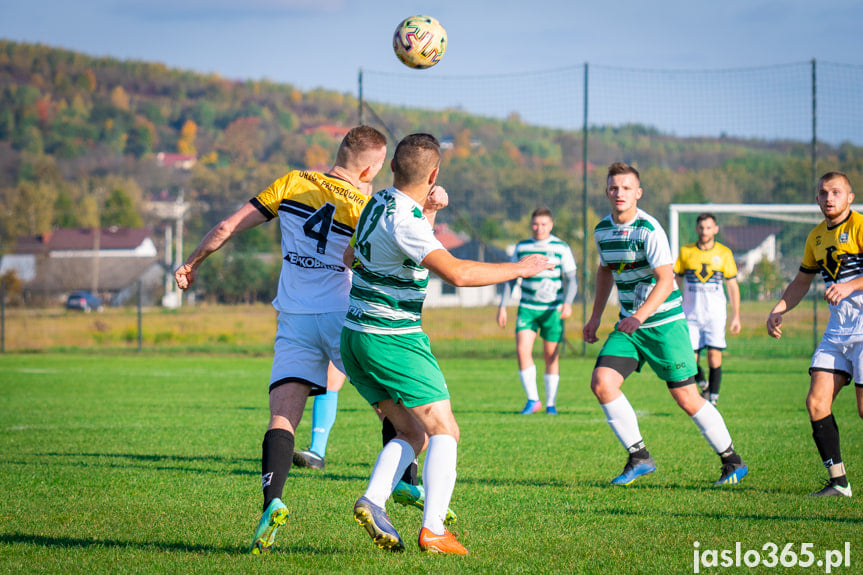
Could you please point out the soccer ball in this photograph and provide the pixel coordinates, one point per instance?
(419, 41)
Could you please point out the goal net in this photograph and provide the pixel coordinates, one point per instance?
(768, 242)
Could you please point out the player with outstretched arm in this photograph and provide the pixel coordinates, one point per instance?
(317, 213)
(388, 357)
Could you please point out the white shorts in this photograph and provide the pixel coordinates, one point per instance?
(707, 333)
(305, 344)
(843, 357)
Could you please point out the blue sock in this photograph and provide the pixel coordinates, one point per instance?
(323, 418)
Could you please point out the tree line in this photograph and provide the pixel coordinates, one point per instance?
(79, 138)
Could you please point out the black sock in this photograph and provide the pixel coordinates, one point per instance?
(729, 456)
(826, 436)
(699, 376)
(388, 433)
(277, 453)
(715, 379)
(638, 451)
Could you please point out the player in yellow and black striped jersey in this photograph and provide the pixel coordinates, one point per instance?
(701, 270)
(834, 249)
(317, 214)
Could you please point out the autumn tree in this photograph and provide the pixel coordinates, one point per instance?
(242, 140)
(186, 142)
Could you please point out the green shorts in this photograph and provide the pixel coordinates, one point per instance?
(666, 348)
(546, 322)
(400, 367)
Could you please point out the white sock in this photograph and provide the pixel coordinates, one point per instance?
(392, 461)
(528, 382)
(623, 421)
(551, 382)
(439, 480)
(712, 426)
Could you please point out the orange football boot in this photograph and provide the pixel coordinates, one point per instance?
(446, 543)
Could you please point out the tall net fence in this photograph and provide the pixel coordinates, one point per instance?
(753, 135)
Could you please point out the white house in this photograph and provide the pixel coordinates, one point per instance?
(750, 245)
(109, 261)
(441, 294)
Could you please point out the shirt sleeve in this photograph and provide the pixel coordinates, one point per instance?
(656, 249)
(809, 265)
(268, 201)
(571, 284)
(678, 265)
(730, 265)
(567, 262)
(415, 237)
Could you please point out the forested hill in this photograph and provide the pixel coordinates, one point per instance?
(80, 139)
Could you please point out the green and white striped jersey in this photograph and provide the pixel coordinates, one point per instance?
(545, 290)
(632, 251)
(389, 283)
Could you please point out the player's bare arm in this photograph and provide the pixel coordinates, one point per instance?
(348, 257)
(501, 317)
(468, 273)
(243, 219)
(661, 290)
(734, 295)
(793, 295)
(604, 283)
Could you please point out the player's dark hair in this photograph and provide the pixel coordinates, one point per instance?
(415, 157)
(621, 168)
(705, 216)
(358, 140)
(833, 176)
(543, 211)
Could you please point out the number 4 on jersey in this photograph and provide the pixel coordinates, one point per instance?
(317, 227)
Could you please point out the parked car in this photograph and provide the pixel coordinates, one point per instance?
(84, 301)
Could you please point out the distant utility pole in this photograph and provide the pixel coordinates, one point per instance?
(97, 239)
(180, 216)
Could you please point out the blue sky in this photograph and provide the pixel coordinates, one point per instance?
(323, 43)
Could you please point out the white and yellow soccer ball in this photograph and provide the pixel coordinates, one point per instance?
(420, 41)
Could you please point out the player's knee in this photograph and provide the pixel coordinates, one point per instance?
(602, 388)
(818, 407)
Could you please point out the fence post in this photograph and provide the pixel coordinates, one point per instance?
(2, 316)
(360, 97)
(814, 182)
(140, 331)
(585, 231)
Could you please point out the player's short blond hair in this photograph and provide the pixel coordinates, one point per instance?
(835, 175)
(356, 142)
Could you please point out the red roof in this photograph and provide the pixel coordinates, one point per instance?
(744, 238)
(337, 132)
(447, 237)
(81, 239)
(175, 160)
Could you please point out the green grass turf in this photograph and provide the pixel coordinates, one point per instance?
(150, 464)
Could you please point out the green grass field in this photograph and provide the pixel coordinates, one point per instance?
(127, 463)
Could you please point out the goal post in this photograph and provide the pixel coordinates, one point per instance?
(767, 241)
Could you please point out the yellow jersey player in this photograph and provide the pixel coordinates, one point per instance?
(317, 213)
(701, 269)
(834, 249)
